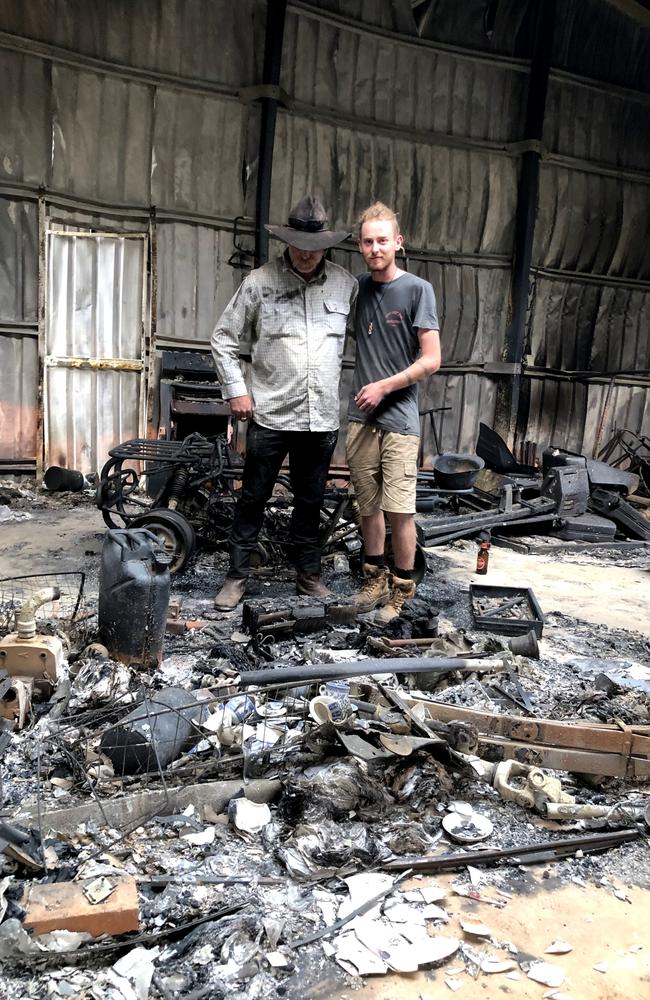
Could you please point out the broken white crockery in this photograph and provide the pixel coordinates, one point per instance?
(250, 817)
(547, 974)
(475, 928)
(558, 948)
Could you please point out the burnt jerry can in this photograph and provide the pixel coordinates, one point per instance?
(134, 586)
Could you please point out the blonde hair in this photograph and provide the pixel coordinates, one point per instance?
(378, 211)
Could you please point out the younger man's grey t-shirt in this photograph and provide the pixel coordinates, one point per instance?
(389, 315)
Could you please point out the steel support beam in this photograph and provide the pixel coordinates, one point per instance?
(508, 397)
(276, 11)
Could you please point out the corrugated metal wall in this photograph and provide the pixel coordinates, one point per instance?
(112, 109)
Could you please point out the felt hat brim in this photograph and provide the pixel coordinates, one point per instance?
(323, 239)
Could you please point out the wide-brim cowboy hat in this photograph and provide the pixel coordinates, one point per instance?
(308, 228)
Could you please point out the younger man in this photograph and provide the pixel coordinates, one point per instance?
(398, 345)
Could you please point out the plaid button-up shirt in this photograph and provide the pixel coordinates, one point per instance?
(297, 332)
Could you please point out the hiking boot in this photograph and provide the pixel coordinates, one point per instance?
(401, 591)
(231, 593)
(312, 586)
(374, 589)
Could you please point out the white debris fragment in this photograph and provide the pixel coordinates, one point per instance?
(277, 960)
(432, 893)
(201, 838)
(354, 957)
(454, 984)
(547, 974)
(493, 966)
(601, 967)
(475, 875)
(403, 913)
(475, 928)
(362, 888)
(558, 948)
(433, 912)
(250, 817)
(137, 967)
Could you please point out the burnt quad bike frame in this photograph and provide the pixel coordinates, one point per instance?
(187, 490)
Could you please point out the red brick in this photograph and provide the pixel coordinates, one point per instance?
(62, 906)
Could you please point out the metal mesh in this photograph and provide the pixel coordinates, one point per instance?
(67, 612)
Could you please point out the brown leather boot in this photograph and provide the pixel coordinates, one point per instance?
(312, 586)
(401, 591)
(231, 593)
(374, 589)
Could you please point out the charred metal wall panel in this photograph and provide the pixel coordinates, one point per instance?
(199, 147)
(18, 396)
(448, 199)
(195, 281)
(101, 136)
(211, 40)
(25, 89)
(609, 128)
(329, 66)
(18, 262)
(582, 416)
(595, 224)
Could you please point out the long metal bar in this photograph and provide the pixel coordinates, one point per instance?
(358, 668)
(276, 11)
(560, 848)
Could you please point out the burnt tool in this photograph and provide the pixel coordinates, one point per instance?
(300, 620)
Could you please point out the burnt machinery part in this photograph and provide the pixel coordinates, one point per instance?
(57, 478)
(115, 486)
(456, 471)
(497, 456)
(173, 531)
(154, 733)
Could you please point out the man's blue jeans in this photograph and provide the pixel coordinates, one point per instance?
(310, 453)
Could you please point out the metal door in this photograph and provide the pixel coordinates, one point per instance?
(94, 391)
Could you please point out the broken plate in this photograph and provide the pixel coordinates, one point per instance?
(467, 829)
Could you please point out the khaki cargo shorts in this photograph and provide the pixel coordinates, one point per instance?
(383, 468)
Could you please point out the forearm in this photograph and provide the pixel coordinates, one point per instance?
(225, 347)
(422, 368)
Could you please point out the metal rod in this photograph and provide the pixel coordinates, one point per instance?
(358, 668)
(449, 862)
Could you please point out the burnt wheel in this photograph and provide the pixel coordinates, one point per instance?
(174, 532)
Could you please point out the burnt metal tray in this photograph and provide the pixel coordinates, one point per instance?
(490, 622)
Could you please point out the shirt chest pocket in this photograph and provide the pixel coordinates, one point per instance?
(276, 322)
(336, 316)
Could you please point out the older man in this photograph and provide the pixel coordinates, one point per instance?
(295, 310)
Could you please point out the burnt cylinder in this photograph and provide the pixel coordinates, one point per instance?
(57, 479)
(134, 586)
(154, 733)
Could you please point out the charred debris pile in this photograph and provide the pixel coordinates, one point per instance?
(254, 804)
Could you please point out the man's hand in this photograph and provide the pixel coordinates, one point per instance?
(370, 396)
(241, 407)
